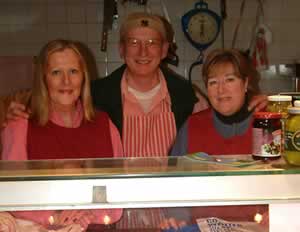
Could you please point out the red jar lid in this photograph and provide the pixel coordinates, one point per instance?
(267, 115)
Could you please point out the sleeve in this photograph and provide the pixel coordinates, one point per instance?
(14, 140)
(201, 104)
(180, 146)
(116, 140)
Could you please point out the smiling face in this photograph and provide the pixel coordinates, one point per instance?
(142, 50)
(225, 89)
(64, 78)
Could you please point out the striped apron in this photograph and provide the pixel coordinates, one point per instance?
(145, 136)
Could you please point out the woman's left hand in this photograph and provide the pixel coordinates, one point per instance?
(8, 223)
(258, 103)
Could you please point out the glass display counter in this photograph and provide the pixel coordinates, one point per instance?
(152, 182)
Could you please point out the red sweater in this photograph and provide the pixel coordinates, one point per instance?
(89, 140)
(202, 136)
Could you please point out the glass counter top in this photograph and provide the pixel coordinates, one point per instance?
(138, 167)
(149, 182)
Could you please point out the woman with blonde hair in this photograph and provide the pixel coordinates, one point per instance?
(62, 125)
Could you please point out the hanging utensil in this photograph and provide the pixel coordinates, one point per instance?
(172, 58)
(108, 14)
(261, 38)
(115, 16)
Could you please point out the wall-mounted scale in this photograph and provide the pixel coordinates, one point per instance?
(201, 26)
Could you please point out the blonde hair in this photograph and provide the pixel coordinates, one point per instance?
(241, 63)
(39, 103)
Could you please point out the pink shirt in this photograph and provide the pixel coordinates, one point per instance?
(14, 136)
(14, 140)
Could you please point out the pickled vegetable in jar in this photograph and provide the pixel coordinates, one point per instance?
(292, 135)
(279, 104)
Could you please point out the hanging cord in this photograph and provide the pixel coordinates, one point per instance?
(224, 16)
(199, 61)
(172, 58)
(259, 13)
(236, 30)
(260, 17)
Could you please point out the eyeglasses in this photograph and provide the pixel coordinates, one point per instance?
(132, 42)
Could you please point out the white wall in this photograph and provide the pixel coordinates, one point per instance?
(25, 25)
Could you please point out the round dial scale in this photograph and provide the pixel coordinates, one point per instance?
(201, 26)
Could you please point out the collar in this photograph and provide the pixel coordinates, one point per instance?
(77, 117)
(237, 117)
(161, 95)
(234, 129)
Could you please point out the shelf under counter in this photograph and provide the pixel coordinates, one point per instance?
(143, 182)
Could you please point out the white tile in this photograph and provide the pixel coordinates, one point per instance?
(57, 13)
(5, 34)
(113, 52)
(5, 49)
(102, 67)
(179, 35)
(105, 69)
(96, 50)
(94, 32)
(56, 31)
(77, 32)
(175, 11)
(180, 69)
(30, 33)
(77, 12)
(114, 36)
(13, 13)
(290, 10)
(22, 49)
(94, 12)
(38, 12)
(113, 66)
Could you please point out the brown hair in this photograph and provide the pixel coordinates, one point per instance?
(241, 63)
(40, 97)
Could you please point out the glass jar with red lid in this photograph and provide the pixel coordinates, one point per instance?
(267, 136)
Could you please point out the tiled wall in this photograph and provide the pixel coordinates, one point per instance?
(25, 25)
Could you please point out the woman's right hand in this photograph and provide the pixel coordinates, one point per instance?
(69, 217)
(8, 223)
(16, 111)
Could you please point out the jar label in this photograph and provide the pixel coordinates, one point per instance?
(292, 140)
(266, 143)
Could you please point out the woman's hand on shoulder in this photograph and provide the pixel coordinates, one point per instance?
(258, 103)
